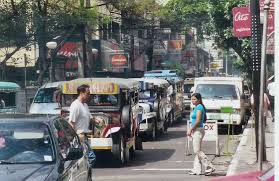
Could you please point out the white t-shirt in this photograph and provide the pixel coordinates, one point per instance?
(80, 115)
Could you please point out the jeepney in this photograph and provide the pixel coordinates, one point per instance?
(153, 101)
(8, 97)
(114, 104)
(175, 92)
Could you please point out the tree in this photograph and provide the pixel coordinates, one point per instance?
(38, 21)
(214, 19)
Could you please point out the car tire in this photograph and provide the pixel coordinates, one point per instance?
(89, 176)
(153, 135)
(118, 149)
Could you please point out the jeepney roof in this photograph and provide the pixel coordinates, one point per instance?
(121, 82)
(155, 81)
(9, 86)
(100, 85)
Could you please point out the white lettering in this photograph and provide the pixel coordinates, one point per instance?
(241, 17)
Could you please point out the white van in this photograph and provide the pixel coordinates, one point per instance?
(219, 93)
(45, 101)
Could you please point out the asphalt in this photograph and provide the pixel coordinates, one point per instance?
(165, 159)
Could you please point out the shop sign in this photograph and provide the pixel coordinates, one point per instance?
(119, 60)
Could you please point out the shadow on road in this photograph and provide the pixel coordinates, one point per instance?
(140, 158)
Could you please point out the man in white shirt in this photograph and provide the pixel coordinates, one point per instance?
(80, 116)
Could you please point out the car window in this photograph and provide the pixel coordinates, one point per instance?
(63, 142)
(45, 95)
(25, 142)
(71, 134)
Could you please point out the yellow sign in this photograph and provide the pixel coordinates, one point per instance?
(95, 87)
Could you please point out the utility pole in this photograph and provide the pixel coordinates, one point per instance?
(262, 153)
(25, 81)
(256, 54)
(276, 102)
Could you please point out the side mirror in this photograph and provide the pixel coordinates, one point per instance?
(74, 154)
(31, 100)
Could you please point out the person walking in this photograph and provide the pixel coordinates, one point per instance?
(80, 117)
(198, 116)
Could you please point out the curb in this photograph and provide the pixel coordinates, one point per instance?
(235, 160)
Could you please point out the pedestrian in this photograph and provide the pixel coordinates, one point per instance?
(80, 117)
(2, 103)
(266, 105)
(198, 116)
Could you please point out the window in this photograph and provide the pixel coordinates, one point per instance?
(217, 91)
(45, 95)
(25, 142)
(7, 99)
(63, 142)
(70, 134)
(104, 100)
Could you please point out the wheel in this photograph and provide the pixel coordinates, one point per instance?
(171, 118)
(138, 142)
(118, 149)
(154, 131)
(89, 176)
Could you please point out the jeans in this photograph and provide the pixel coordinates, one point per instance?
(200, 157)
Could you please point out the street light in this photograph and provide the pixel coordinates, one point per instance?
(94, 52)
(51, 45)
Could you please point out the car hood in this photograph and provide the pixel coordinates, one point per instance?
(15, 172)
(44, 108)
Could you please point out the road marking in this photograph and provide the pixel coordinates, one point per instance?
(161, 169)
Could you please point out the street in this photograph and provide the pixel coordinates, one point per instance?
(164, 159)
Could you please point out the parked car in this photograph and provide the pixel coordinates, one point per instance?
(41, 147)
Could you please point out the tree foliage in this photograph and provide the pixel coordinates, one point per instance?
(213, 18)
(25, 22)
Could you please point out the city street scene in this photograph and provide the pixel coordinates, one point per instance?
(132, 90)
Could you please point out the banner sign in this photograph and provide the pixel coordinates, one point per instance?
(272, 7)
(241, 21)
(95, 87)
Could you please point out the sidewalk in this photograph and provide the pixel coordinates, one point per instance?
(244, 159)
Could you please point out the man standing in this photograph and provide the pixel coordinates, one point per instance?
(80, 116)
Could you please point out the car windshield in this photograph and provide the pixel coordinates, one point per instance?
(45, 95)
(217, 91)
(25, 142)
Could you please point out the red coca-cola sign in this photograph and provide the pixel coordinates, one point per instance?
(241, 21)
(119, 60)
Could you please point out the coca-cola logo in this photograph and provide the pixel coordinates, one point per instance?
(241, 17)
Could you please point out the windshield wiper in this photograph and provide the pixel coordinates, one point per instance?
(6, 162)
